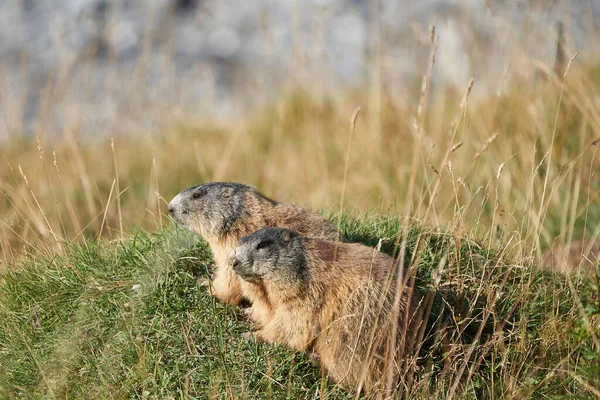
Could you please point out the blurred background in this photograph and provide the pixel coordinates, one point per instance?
(478, 115)
(112, 64)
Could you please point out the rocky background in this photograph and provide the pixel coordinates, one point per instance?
(86, 64)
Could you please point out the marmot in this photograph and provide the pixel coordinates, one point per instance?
(334, 300)
(579, 255)
(223, 212)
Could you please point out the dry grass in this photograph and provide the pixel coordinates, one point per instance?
(517, 165)
(516, 170)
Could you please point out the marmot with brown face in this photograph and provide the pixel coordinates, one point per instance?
(335, 300)
(223, 212)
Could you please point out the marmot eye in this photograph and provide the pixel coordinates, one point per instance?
(264, 245)
(196, 195)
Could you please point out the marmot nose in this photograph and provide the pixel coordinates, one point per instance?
(171, 210)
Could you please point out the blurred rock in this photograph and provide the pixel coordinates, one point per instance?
(183, 47)
(184, 6)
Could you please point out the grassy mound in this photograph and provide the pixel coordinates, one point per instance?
(128, 320)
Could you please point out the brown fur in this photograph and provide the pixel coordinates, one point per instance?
(579, 255)
(343, 313)
(257, 212)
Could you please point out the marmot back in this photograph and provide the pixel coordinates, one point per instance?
(223, 212)
(333, 299)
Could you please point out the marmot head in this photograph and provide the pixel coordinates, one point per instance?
(210, 209)
(275, 254)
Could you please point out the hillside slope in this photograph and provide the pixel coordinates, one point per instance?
(128, 320)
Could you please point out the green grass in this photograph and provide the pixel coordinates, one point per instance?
(128, 320)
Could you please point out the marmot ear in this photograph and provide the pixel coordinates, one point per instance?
(286, 237)
(227, 192)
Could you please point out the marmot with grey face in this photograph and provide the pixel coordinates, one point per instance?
(223, 212)
(334, 300)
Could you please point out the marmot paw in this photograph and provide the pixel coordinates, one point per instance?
(254, 336)
(203, 282)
